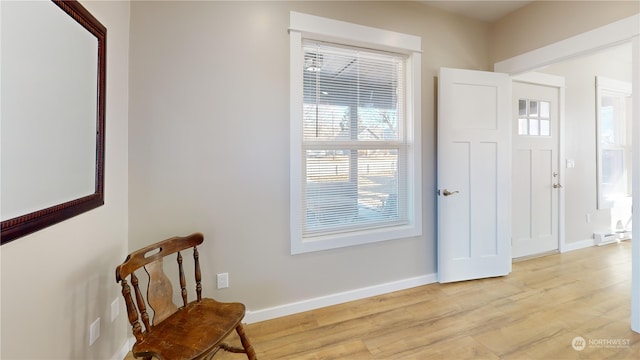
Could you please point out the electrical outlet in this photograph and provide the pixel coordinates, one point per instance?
(94, 331)
(223, 280)
(115, 309)
(588, 218)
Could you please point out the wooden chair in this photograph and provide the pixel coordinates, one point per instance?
(195, 330)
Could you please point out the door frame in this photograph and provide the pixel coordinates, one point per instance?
(558, 82)
(625, 30)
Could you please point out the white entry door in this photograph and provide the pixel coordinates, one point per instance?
(474, 175)
(536, 174)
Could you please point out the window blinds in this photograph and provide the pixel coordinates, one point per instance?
(354, 143)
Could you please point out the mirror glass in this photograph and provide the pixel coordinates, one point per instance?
(51, 114)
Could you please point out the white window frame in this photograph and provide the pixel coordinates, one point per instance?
(339, 32)
(611, 87)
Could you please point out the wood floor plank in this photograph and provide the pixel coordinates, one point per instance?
(465, 347)
(354, 349)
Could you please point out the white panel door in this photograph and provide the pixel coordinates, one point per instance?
(536, 178)
(474, 171)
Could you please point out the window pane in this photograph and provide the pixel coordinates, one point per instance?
(533, 127)
(378, 185)
(544, 128)
(522, 107)
(330, 196)
(325, 121)
(545, 109)
(523, 127)
(377, 124)
(533, 108)
(336, 199)
(613, 179)
(352, 94)
(607, 126)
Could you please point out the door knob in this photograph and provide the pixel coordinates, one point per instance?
(556, 186)
(446, 192)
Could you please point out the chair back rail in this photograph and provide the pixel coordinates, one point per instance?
(154, 252)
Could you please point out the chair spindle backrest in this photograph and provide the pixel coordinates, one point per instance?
(159, 290)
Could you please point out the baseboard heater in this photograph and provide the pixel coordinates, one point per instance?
(608, 238)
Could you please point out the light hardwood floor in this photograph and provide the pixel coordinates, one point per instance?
(534, 313)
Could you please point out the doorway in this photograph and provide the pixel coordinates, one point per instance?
(536, 174)
(578, 166)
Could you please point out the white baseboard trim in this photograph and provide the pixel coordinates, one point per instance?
(337, 298)
(577, 245)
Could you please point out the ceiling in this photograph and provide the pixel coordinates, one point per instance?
(485, 10)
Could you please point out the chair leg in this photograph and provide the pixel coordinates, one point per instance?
(251, 354)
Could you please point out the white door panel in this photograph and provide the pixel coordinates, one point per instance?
(474, 164)
(535, 171)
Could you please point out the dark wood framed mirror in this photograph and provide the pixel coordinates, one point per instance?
(52, 119)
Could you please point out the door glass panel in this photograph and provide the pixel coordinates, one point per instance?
(545, 109)
(523, 127)
(522, 107)
(533, 108)
(533, 127)
(544, 128)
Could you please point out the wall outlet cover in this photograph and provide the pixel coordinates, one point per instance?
(223, 280)
(94, 331)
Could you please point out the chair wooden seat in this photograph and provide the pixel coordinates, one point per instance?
(195, 330)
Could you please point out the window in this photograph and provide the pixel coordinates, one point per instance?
(614, 140)
(355, 125)
(534, 117)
